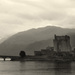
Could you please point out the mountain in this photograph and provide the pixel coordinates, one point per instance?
(37, 46)
(33, 39)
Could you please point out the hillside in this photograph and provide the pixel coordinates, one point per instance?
(33, 39)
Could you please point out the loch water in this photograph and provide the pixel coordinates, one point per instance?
(36, 68)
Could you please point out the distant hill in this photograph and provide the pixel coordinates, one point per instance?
(37, 46)
(33, 39)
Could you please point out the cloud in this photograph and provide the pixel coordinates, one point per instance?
(19, 15)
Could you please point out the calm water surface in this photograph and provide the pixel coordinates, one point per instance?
(36, 68)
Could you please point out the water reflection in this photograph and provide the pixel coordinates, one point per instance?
(44, 68)
(36, 68)
(62, 68)
(22, 66)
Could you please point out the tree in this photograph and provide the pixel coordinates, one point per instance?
(22, 54)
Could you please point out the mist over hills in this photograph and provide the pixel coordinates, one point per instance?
(34, 39)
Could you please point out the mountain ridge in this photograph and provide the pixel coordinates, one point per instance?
(33, 37)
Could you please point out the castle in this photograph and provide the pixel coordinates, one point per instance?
(62, 43)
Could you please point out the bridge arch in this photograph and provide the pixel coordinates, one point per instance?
(7, 59)
(1, 59)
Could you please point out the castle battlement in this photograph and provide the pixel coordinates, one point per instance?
(66, 37)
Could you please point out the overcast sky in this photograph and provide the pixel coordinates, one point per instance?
(19, 15)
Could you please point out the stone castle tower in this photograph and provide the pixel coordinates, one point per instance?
(62, 43)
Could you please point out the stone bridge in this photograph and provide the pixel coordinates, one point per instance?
(10, 57)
